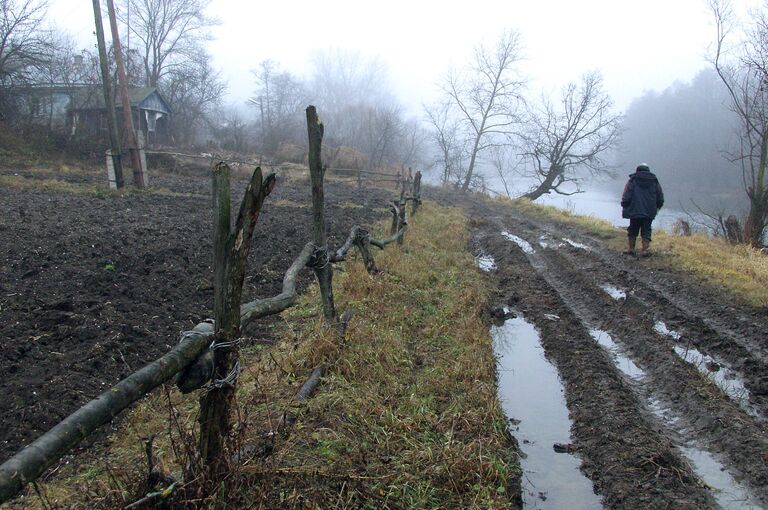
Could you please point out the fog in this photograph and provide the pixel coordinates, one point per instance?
(374, 70)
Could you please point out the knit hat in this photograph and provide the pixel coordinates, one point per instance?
(643, 167)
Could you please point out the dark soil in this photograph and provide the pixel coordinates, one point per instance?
(94, 287)
(632, 455)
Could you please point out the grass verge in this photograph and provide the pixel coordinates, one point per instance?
(740, 270)
(407, 416)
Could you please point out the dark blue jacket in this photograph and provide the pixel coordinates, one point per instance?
(642, 197)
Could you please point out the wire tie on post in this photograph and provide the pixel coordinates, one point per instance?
(229, 380)
(319, 258)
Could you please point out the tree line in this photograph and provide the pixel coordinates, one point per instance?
(486, 118)
(484, 125)
(168, 51)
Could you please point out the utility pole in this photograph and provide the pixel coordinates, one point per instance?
(130, 133)
(114, 135)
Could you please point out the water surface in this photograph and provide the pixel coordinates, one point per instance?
(532, 397)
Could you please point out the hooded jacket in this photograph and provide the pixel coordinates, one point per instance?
(642, 197)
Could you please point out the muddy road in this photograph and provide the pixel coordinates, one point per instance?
(665, 383)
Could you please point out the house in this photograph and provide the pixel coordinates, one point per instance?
(87, 115)
(79, 109)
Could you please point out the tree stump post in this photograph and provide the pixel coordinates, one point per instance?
(416, 193)
(395, 217)
(363, 243)
(320, 261)
(402, 221)
(231, 250)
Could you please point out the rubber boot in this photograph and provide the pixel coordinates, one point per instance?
(645, 250)
(631, 241)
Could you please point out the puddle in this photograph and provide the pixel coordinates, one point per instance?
(522, 243)
(532, 395)
(615, 292)
(714, 370)
(577, 245)
(728, 493)
(485, 262)
(622, 362)
(662, 329)
(546, 241)
(726, 490)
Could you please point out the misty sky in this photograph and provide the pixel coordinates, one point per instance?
(637, 45)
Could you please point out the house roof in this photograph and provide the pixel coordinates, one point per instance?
(145, 98)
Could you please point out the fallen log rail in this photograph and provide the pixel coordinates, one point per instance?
(192, 360)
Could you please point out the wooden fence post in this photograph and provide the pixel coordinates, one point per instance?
(363, 243)
(320, 263)
(231, 250)
(416, 195)
(402, 222)
(395, 217)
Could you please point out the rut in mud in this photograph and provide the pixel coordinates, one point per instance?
(665, 382)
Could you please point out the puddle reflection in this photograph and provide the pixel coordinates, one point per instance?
(485, 262)
(726, 379)
(532, 397)
(522, 243)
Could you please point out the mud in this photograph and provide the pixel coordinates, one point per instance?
(572, 287)
(92, 288)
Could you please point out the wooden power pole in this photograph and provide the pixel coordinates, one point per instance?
(122, 78)
(114, 135)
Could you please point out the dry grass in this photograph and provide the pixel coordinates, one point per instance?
(741, 270)
(59, 186)
(407, 416)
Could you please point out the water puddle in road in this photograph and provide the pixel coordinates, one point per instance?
(485, 262)
(577, 245)
(713, 369)
(615, 292)
(546, 241)
(662, 329)
(522, 243)
(729, 494)
(621, 361)
(532, 398)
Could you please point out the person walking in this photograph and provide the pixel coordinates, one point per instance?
(641, 200)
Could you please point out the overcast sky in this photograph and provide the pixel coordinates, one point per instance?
(638, 46)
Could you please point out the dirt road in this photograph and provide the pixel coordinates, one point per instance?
(666, 383)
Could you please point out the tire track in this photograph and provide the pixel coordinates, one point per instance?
(711, 419)
(631, 464)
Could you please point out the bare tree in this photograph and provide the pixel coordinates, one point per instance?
(507, 165)
(194, 90)
(486, 97)
(412, 142)
(343, 77)
(745, 74)
(234, 132)
(170, 33)
(280, 99)
(450, 146)
(62, 65)
(359, 110)
(573, 134)
(23, 44)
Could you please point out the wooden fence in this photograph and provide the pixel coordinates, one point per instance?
(207, 356)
